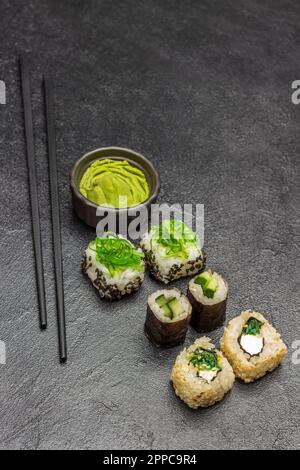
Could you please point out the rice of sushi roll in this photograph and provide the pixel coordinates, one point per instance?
(201, 375)
(168, 316)
(207, 294)
(172, 250)
(114, 265)
(252, 346)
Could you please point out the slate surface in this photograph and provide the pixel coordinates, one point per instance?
(203, 88)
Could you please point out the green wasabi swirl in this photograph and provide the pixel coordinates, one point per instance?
(114, 183)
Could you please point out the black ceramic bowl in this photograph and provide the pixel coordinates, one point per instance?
(85, 209)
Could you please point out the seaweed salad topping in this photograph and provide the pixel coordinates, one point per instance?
(252, 327)
(205, 360)
(251, 341)
(174, 237)
(116, 253)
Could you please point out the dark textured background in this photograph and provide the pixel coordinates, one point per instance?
(203, 88)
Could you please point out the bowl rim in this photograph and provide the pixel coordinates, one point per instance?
(154, 192)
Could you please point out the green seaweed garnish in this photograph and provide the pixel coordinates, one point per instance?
(116, 254)
(205, 360)
(252, 327)
(175, 237)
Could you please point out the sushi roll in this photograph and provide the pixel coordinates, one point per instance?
(114, 265)
(168, 316)
(207, 294)
(201, 375)
(252, 346)
(172, 250)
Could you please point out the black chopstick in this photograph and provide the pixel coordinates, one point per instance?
(35, 216)
(55, 213)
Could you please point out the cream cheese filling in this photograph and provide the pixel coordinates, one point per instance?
(251, 344)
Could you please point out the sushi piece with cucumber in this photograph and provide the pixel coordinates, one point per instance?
(201, 375)
(114, 266)
(172, 250)
(168, 316)
(207, 293)
(252, 346)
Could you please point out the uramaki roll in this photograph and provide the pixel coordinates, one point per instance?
(207, 293)
(201, 375)
(172, 250)
(252, 346)
(114, 266)
(168, 317)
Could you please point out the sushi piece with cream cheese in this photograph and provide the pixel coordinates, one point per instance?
(252, 346)
(114, 266)
(167, 318)
(172, 250)
(201, 375)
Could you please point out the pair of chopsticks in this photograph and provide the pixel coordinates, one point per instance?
(55, 210)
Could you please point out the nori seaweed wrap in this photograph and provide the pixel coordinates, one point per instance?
(168, 317)
(207, 294)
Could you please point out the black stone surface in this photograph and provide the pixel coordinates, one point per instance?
(203, 88)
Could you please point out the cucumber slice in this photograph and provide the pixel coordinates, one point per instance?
(176, 308)
(210, 289)
(203, 278)
(167, 311)
(161, 300)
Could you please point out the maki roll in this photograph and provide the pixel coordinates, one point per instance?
(114, 265)
(172, 250)
(201, 375)
(252, 346)
(168, 316)
(207, 294)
